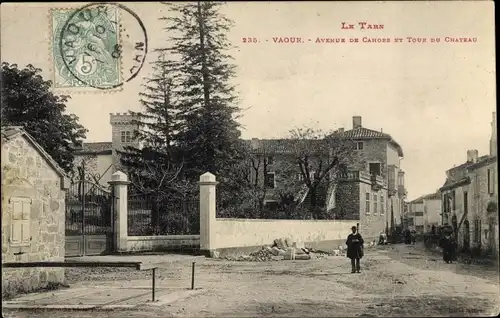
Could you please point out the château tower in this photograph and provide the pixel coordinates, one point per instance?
(122, 131)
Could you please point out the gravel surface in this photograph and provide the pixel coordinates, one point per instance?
(394, 281)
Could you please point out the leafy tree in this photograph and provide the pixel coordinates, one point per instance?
(27, 101)
(209, 135)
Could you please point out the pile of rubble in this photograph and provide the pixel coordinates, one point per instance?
(285, 249)
(281, 249)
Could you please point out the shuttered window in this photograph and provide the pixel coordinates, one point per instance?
(20, 234)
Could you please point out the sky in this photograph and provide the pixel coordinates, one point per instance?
(435, 99)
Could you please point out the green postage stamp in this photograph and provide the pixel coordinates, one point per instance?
(86, 50)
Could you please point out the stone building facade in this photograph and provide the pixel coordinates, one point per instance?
(369, 192)
(470, 200)
(33, 212)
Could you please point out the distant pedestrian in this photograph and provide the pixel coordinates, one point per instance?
(382, 239)
(448, 245)
(407, 236)
(355, 249)
(413, 236)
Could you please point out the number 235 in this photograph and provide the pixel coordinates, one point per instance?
(249, 40)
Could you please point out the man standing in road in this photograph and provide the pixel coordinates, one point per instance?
(355, 249)
(448, 245)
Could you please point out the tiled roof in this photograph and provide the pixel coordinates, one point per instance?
(362, 133)
(273, 145)
(284, 145)
(484, 160)
(432, 196)
(365, 133)
(96, 147)
(468, 164)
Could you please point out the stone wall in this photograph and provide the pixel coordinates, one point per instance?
(28, 177)
(374, 150)
(163, 243)
(347, 200)
(250, 233)
(478, 202)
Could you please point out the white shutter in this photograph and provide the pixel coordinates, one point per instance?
(25, 223)
(20, 222)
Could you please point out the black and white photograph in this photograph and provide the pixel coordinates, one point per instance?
(249, 159)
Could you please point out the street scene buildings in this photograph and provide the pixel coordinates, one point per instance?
(161, 159)
(470, 199)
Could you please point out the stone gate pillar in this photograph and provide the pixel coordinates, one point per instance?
(208, 184)
(119, 182)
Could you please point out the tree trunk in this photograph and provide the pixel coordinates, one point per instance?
(313, 201)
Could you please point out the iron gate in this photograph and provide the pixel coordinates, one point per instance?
(89, 219)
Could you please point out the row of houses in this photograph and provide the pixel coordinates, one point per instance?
(423, 213)
(468, 201)
(371, 192)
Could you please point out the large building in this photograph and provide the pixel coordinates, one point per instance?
(470, 199)
(373, 191)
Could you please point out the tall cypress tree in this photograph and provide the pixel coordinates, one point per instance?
(158, 126)
(209, 137)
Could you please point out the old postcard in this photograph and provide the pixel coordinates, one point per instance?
(249, 159)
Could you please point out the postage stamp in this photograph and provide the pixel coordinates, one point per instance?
(86, 49)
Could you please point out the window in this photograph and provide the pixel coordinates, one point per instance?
(126, 136)
(375, 168)
(477, 231)
(375, 207)
(311, 175)
(382, 204)
(20, 222)
(453, 206)
(359, 145)
(269, 180)
(491, 181)
(367, 203)
(270, 160)
(466, 202)
(300, 177)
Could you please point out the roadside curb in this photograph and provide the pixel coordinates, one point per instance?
(66, 307)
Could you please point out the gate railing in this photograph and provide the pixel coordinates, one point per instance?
(149, 214)
(88, 209)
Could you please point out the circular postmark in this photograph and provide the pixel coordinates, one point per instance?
(98, 41)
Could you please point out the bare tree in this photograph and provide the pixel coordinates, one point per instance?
(318, 159)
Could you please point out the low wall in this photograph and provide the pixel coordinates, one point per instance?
(162, 243)
(245, 234)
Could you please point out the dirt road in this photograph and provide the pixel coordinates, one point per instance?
(395, 281)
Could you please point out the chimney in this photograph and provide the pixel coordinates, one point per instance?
(493, 139)
(472, 155)
(356, 122)
(254, 143)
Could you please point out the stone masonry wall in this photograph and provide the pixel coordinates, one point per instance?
(347, 200)
(26, 174)
(479, 199)
(374, 150)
